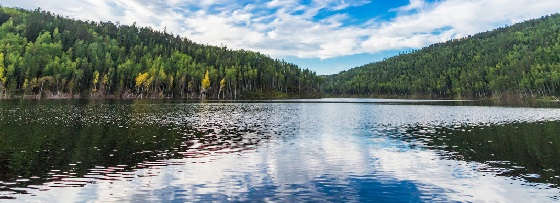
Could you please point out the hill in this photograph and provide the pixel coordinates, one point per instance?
(42, 54)
(522, 60)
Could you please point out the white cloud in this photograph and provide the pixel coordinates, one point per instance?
(287, 27)
(413, 5)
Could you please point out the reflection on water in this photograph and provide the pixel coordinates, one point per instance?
(161, 151)
(71, 145)
(521, 150)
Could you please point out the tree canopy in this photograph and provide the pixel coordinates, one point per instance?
(523, 59)
(46, 54)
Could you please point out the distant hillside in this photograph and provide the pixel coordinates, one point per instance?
(43, 54)
(523, 59)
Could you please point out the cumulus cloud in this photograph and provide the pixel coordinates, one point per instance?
(283, 28)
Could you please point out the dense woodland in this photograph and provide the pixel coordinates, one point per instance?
(521, 60)
(47, 55)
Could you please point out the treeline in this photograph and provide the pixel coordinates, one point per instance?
(49, 55)
(523, 59)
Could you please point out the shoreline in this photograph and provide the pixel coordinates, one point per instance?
(136, 97)
(500, 100)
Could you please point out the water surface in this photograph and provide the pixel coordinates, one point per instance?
(334, 150)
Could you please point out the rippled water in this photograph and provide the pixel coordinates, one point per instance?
(297, 150)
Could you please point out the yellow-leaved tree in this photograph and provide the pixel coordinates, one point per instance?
(205, 82)
(95, 80)
(222, 86)
(141, 79)
(223, 83)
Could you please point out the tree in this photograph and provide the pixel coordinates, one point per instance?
(206, 82)
(517, 60)
(44, 52)
(142, 81)
(3, 77)
(95, 80)
(222, 86)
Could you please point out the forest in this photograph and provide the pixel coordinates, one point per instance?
(50, 56)
(520, 60)
(47, 55)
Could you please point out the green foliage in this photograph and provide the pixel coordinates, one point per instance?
(3, 78)
(523, 59)
(46, 54)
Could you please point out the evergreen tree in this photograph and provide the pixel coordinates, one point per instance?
(47, 54)
(523, 60)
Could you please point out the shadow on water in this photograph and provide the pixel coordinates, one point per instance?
(72, 144)
(527, 151)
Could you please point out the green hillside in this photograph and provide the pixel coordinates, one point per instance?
(42, 54)
(522, 60)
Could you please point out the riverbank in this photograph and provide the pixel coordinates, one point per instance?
(501, 100)
(132, 96)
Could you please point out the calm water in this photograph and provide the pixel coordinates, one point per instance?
(298, 150)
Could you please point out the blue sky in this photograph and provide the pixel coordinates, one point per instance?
(326, 36)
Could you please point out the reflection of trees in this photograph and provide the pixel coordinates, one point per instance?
(522, 150)
(99, 141)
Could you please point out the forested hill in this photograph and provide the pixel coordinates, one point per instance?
(47, 55)
(523, 59)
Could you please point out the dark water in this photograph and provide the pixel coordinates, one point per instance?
(333, 150)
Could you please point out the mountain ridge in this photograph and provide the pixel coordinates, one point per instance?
(522, 59)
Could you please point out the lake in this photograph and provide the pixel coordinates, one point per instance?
(347, 150)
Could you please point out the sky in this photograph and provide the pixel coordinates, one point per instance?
(326, 36)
